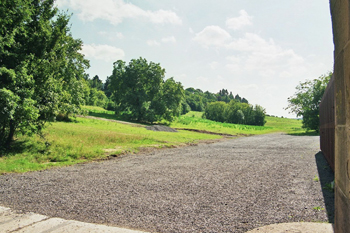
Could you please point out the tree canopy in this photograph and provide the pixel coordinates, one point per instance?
(141, 93)
(306, 101)
(41, 67)
(197, 100)
(235, 112)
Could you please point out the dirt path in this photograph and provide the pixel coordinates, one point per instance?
(230, 186)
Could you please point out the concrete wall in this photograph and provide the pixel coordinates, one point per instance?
(340, 11)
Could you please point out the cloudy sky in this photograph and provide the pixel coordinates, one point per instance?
(258, 49)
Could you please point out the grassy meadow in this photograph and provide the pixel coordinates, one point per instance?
(83, 139)
(193, 120)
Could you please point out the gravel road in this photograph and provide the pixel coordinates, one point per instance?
(229, 186)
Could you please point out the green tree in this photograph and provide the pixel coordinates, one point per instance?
(170, 97)
(106, 90)
(40, 67)
(306, 100)
(215, 111)
(140, 92)
(195, 99)
(259, 115)
(235, 112)
(96, 82)
(97, 98)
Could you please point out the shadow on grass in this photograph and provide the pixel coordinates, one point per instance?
(326, 176)
(106, 115)
(308, 133)
(121, 118)
(26, 145)
(17, 147)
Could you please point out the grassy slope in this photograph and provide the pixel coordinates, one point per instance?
(193, 120)
(89, 139)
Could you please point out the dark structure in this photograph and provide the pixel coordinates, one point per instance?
(340, 11)
(327, 123)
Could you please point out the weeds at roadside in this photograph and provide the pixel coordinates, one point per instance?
(329, 187)
(318, 208)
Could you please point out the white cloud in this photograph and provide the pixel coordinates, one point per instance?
(112, 35)
(212, 36)
(202, 79)
(239, 22)
(170, 39)
(163, 16)
(252, 53)
(214, 65)
(153, 43)
(234, 64)
(264, 56)
(102, 52)
(115, 11)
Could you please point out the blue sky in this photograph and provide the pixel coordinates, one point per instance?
(260, 50)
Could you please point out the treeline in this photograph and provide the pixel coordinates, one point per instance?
(138, 91)
(235, 112)
(100, 94)
(197, 100)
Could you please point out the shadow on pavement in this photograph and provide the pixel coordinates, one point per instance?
(308, 133)
(326, 177)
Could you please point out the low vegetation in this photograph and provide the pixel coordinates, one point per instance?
(83, 140)
(194, 120)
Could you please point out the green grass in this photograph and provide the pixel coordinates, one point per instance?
(100, 112)
(85, 140)
(193, 120)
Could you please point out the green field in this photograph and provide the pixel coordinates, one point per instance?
(193, 120)
(84, 140)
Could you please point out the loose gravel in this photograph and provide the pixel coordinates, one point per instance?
(229, 186)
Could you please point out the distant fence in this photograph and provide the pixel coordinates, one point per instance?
(327, 123)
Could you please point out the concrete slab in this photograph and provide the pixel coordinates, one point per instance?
(295, 227)
(13, 222)
(10, 221)
(3, 209)
(81, 227)
(49, 225)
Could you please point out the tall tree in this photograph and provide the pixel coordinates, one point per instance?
(306, 100)
(96, 82)
(40, 67)
(139, 90)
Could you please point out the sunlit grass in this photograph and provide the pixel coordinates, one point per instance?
(193, 120)
(86, 140)
(90, 139)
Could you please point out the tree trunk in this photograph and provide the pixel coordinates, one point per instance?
(11, 134)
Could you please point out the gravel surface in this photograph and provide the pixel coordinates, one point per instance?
(230, 186)
(160, 128)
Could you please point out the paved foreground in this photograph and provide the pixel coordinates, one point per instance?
(231, 186)
(36, 223)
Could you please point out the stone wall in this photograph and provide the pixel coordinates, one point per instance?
(340, 11)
